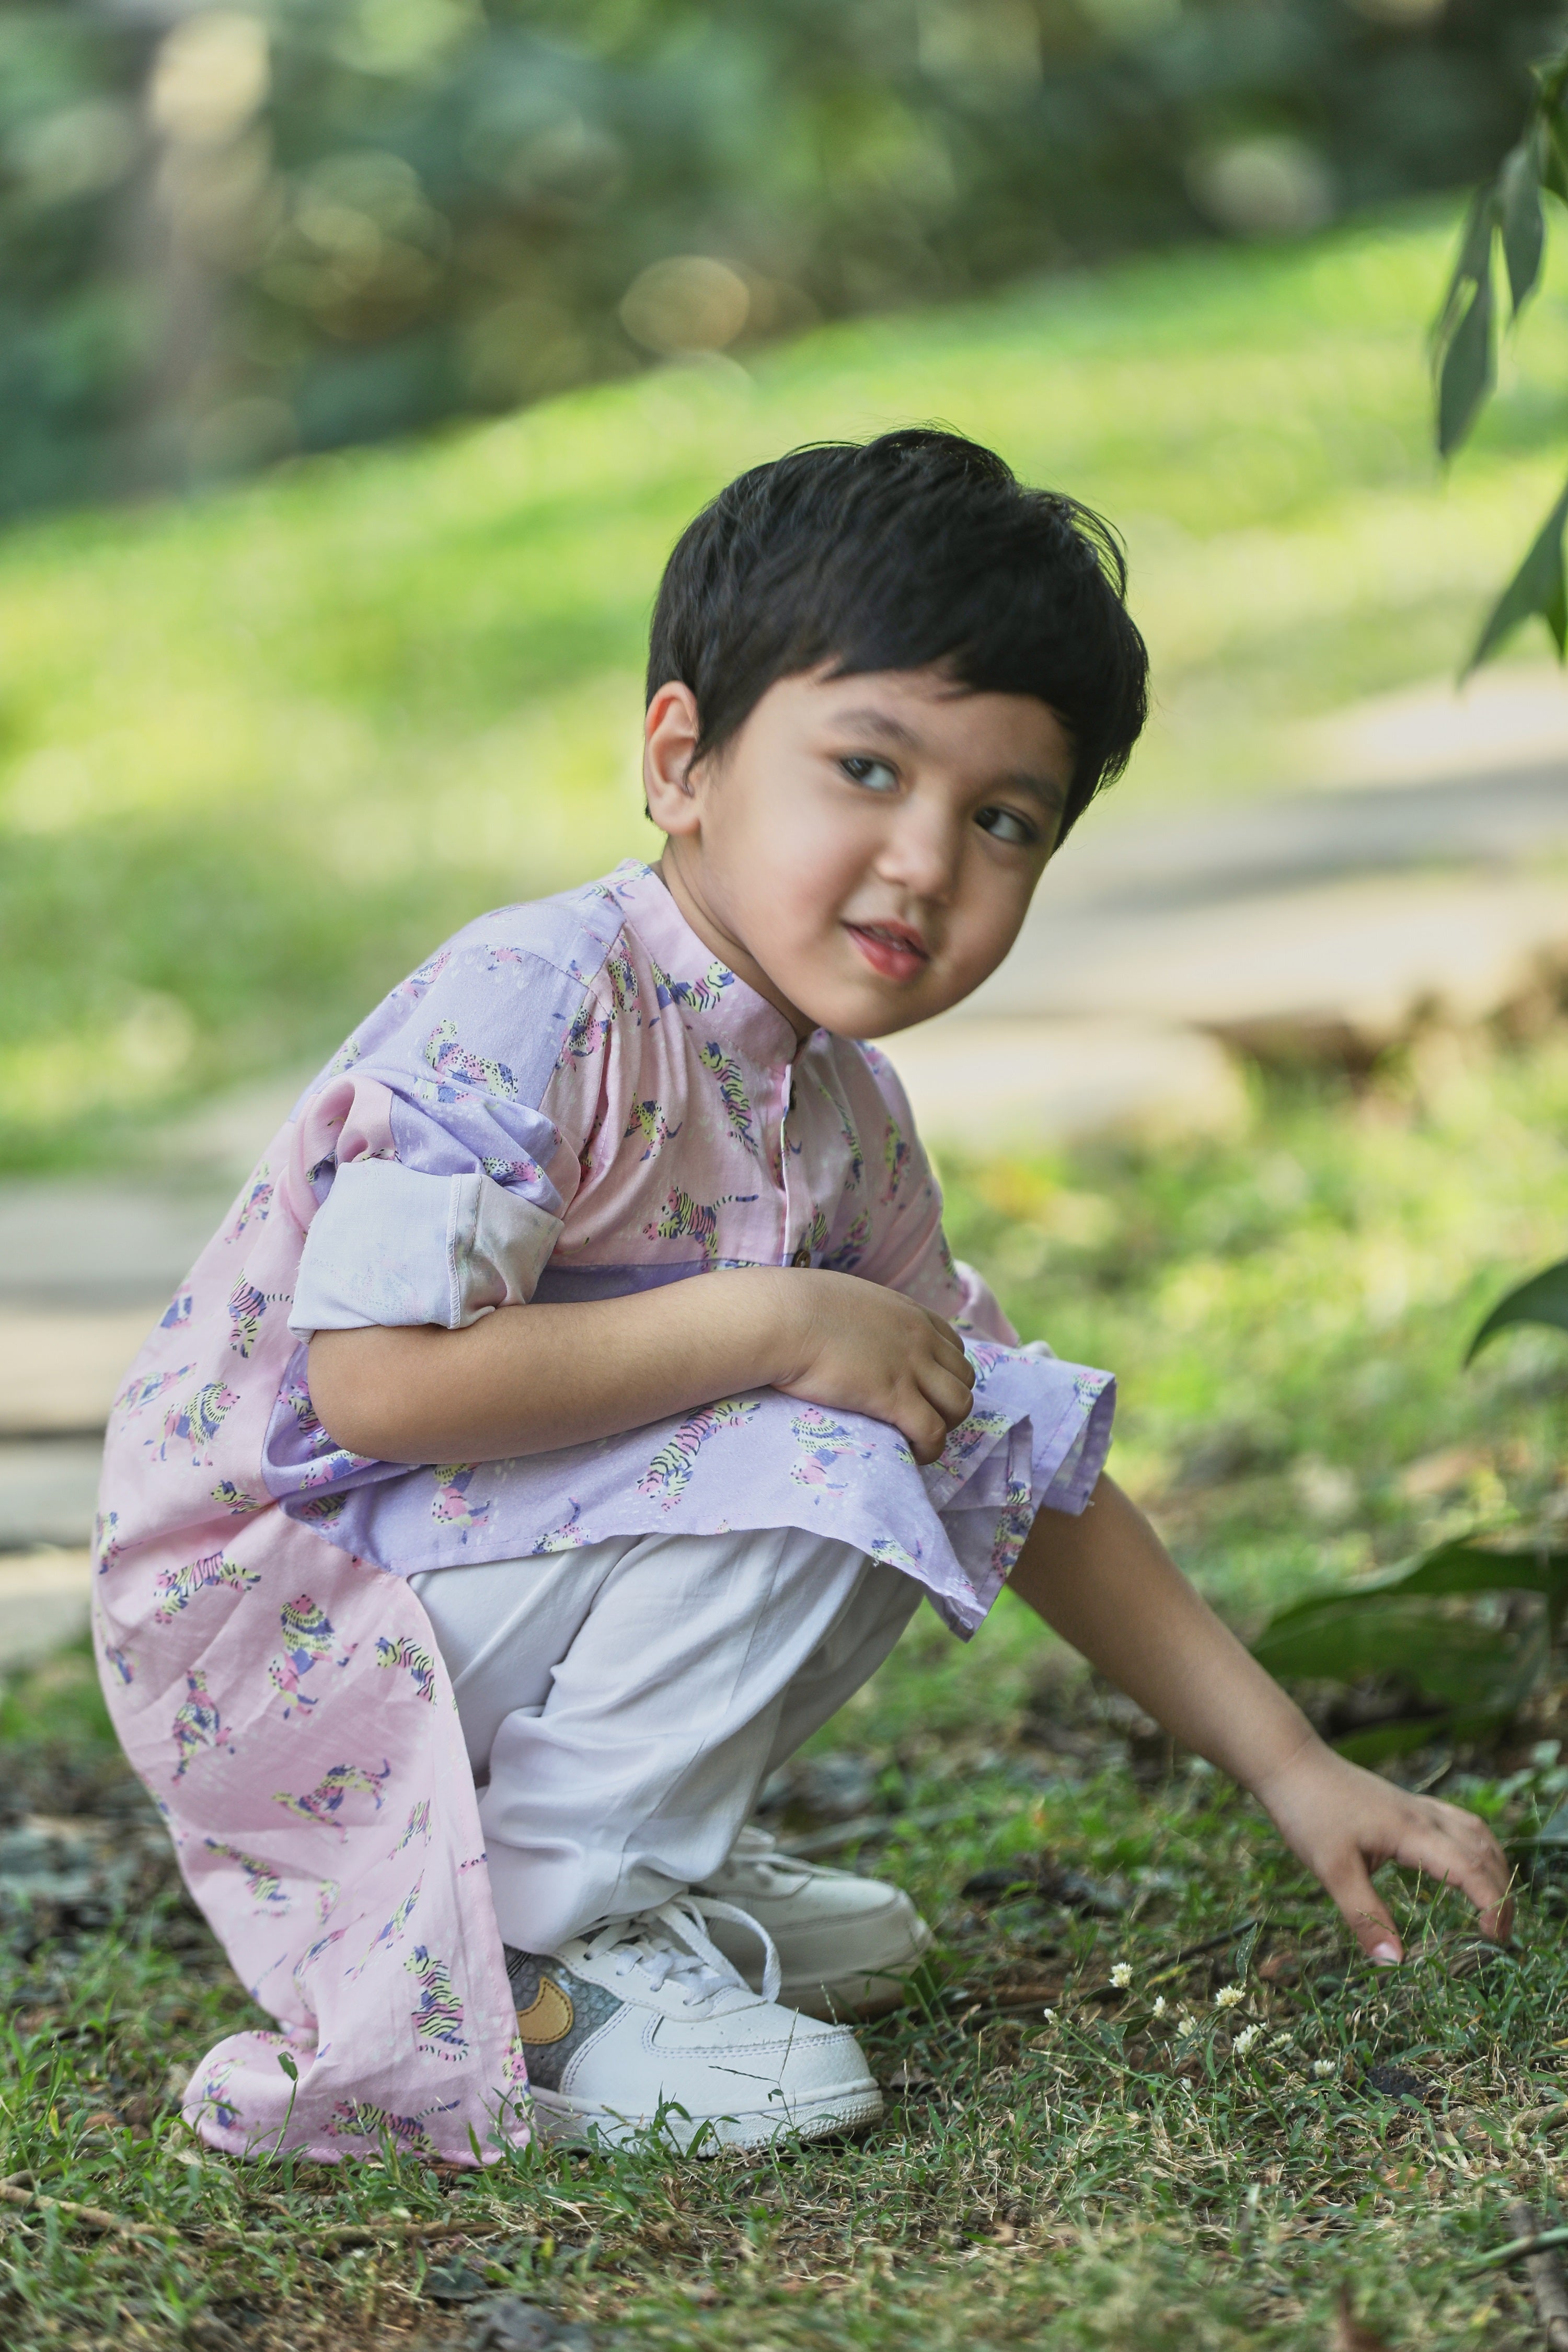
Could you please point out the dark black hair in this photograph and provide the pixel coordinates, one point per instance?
(914, 550)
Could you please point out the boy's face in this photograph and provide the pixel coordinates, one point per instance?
(864, 850)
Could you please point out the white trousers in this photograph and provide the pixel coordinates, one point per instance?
(623, 1702)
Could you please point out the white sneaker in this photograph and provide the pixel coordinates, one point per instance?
(645, 2022)
(845, 1944)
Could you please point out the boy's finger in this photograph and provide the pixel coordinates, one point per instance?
(1477, 1868)
(950, 1396)
(1365, 1913)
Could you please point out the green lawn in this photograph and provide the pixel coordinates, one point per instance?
(258, 753)
(1287, 1315)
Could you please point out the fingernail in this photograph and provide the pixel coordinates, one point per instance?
(1385, 1954)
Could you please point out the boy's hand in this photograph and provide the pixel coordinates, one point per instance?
(1342, 1821)
(855, 1346)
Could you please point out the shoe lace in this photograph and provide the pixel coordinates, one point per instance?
(754, 1861)
(669, 1945)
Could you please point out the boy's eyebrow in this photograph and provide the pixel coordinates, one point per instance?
(883, 723)
(1044, 788)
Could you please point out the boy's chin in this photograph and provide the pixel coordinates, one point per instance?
(874, 1012)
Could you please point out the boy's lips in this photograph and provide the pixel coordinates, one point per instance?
(893, 949)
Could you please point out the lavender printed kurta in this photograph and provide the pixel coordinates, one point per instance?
(572, 1100)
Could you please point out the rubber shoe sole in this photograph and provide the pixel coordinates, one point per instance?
(563, 2121)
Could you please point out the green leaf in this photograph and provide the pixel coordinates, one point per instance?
(1410, 1637)
(1466, 372)
(1555, 156)
(1537, 587)
(1412, 1628)
(1543, 1299)
(1459, 1568)
(1521, 218)
(1471, 264)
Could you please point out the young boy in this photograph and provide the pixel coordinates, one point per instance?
(673, 1523)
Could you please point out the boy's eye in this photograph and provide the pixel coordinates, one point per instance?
(875, 774)
(1006, 825)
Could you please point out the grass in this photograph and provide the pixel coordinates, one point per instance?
(260, 751)
(1287, 1312)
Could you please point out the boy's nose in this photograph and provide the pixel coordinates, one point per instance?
(920, 854)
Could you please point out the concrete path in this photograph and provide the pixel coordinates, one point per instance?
(1431, 883)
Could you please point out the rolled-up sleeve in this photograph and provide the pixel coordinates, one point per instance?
(434, 1176)
(391, 1244)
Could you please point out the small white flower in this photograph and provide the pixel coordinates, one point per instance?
(1161, 2006)
(1230, 1997)
(1121, 1975)
(1188, 2026)
(1047, 2014)
(1324, 2067)
(1284, 2042)
(1245, 2040)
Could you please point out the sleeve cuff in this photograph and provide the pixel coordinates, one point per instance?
(390, 1245)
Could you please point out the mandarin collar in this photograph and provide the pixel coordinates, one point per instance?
(743, 1016)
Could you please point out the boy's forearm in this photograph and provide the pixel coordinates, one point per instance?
(1107, 1584)
(528, 1379)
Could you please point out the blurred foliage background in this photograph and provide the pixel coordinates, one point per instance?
(228, 234)
(260, 748)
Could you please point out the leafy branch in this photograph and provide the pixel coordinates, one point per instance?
(1507, 215)
(1466, 1671)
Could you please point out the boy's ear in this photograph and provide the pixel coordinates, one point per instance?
(670, 734)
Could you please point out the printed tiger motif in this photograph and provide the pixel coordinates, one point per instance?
(178, 1312)
(419, 983)
(897, 1152)
(362, 2119)
(212, 2103)
(694, 995)
(1014, 1521)
(848, 1131)
(893, 1555)
(725, 1072)
(586, 1032)
(684, 1219)
(973, 1436)
(237, 1502)
(822, 1442)
(450, 1505)
(847, 1255)
(620, 975)
(307, 1643)
(519, 1171)
(196, 1723)
(262, 1882)
(668, 1475)
(180, 1586)
(254, 1208)
(416, 1826)
(419, 1663)
(107, 1546)
(457, 1070)
(395, 1929)
(647, 1120)
(438, 2019)
(247, 1305)
(568, 1537)
(323, 1804)
(139, 1393)
(197, 1423)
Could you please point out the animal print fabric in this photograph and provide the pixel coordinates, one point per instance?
(572, 1100)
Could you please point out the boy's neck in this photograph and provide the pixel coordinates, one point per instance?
(686, 888)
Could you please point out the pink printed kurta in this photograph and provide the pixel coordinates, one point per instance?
(572, 1100)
